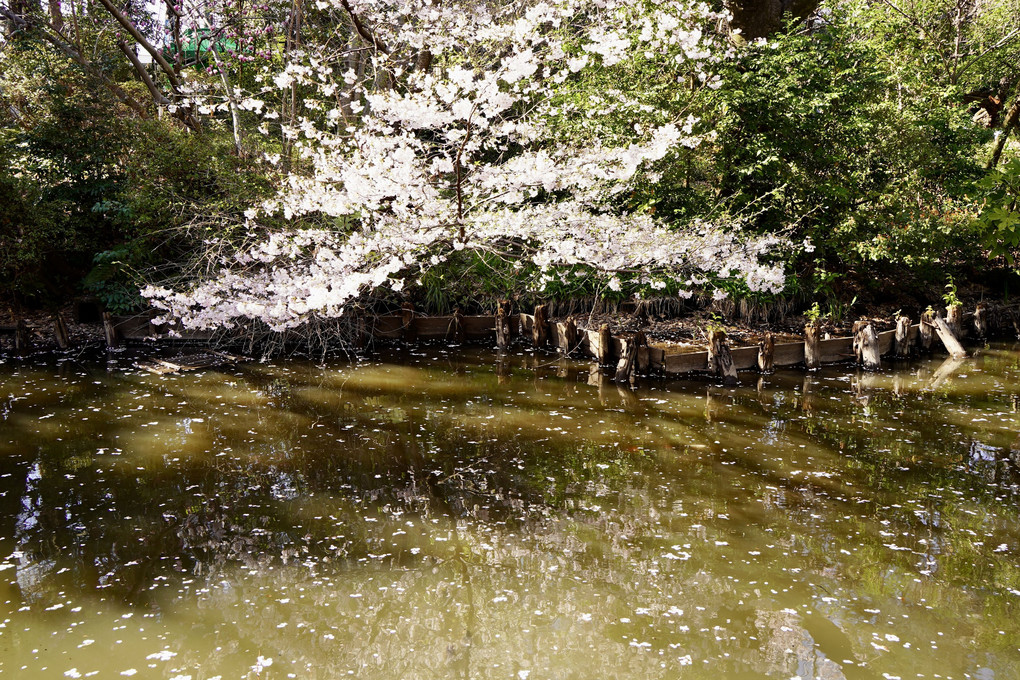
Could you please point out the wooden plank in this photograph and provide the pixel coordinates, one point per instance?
(836, 349)
(789, 354)
(686, 363)
(388, 327)
(527, 322)
(656, 358)
(136, 327)
(433, 327)
(886, 342)
(744, 357)
(479, 328)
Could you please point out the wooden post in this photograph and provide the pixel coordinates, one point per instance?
(866, 345)
(954, 319)
(625, 369)
(407, 314)
(455, 331)
(981, 320)
(719, 360)
(926, 329)
(360, 331)
(568, 341)
(22, 337)
(540, 331)
(812, 352)
(904, 344)
(110, 331)
(945, 334)
(60, 331)
(766, 353)
(503, 324)
(605, 345)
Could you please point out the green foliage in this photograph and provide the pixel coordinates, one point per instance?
(817, 141)
(814, 314)
(1000, 216)
(950, 297)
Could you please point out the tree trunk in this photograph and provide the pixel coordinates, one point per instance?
(761, 18)
(1012, 119)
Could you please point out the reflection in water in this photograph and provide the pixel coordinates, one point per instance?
(464, 515)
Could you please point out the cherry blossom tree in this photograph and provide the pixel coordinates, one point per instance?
(513, 129)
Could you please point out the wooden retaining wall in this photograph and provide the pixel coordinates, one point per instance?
(630, 352)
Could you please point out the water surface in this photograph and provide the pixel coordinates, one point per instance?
(444, 514)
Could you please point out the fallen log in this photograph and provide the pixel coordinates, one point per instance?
(948, 339)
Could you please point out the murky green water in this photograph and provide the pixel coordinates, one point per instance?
(444, 516)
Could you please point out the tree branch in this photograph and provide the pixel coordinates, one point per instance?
(141, 40)
(64, 46)
(366, 34)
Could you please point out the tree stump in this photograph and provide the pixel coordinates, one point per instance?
(60, 331)
(954, 319)
(866, 345)
(948, 339)
(766, 353)
(926, 330)
(503, 324)
(540, 329)
(812, 352)
(904, 343)
(407, 322)
(981, 320)
(627, 365)
(605, 354)
(110, 331)
(720, 362)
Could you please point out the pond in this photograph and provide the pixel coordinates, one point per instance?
(441, 513)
